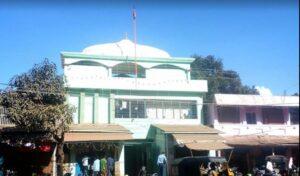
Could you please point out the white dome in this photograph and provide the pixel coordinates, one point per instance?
(125, 48)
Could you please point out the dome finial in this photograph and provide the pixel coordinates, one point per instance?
(126, 37)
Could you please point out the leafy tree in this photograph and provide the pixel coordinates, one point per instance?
(35, 101)
(219, 80)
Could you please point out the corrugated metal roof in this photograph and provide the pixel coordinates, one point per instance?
(97, 132)
(98, 128)
(261, 140)
(208, 146)
(201, 141)
(96, 136)
(187, 129)
(256, 100)
(195, 137)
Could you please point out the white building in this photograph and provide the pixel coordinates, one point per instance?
(257, 126)
(140, 88)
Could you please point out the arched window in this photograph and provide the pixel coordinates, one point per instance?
(88, 63)
(167, 66)
(128, 70)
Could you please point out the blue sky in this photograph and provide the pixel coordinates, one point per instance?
(258, 40)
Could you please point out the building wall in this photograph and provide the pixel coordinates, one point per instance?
(98, 107)
(242, 128)
(98, 74)
(93, 91)
(166, 74)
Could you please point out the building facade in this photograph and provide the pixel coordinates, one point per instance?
(257, 126)
(139, 88)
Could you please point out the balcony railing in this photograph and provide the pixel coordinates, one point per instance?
(246, 129)
(137, 84)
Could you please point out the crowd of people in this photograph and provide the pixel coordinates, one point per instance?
(95, 166)
(215, 169)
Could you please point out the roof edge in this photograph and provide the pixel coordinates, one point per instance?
(78, 55)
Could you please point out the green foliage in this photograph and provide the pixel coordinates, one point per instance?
(219, 80)
(35, 101)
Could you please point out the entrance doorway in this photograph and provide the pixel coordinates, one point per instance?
(135, 158)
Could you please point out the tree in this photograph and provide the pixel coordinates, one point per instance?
(219, 80)
(35, 101)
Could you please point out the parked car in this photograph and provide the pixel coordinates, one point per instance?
(191, 165)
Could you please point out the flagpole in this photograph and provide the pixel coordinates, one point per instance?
(135, 42)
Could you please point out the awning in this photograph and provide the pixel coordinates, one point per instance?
(201, 141)
(195, 137)
(261, 140)
(97, 132)
(12, 134)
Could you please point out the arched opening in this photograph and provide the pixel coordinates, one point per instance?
(167, 66)
(89, 63)
(129, 70)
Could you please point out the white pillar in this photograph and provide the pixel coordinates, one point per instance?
(287, 116)
(199, 110)
(109, 72)
(122, 161)
(218, 153)
(259, 119)
(242, 114)
(188, 75)
(54, 161)
(212, 153)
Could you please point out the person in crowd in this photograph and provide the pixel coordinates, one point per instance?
(142, 171)
(269, 167)
(78, 171)
(202, 169)
(85, 165)
(213, 170)
(225, 170)
(103, 166)
(96, 167)
(162, 164)
(110, 166)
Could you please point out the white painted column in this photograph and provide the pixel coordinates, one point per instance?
(218, 153)
(199, 110)
(212, 153)
(111, 108)
(188, 75)
(243, 115)
(215, 115)
(287, 116)
(122, 161)
(258, 113)
(109, 72)
(53, 158)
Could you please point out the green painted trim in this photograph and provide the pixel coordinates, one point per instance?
(88, 63)
(167, 66)
(95, 108)
(201, 115)
(112, 113)
(81, 107)
(107, 92)
(76, 55)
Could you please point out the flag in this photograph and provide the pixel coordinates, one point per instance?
(134, 14)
